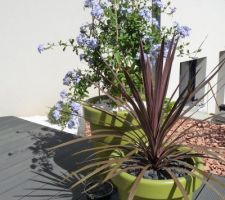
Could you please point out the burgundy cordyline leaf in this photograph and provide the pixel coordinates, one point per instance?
(147, 81)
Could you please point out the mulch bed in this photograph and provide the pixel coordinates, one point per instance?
(210, 135)
(207, 134)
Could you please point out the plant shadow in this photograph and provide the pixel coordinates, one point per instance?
(50, 168)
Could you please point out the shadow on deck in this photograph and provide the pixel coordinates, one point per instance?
(29, 172)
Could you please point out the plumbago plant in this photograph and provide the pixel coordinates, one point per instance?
(157, 146)
(112, 38)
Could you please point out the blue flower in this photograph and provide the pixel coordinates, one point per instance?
(40, 48)
(58, 105)
(90, 3)
(155, 22)
(63, 94)
(158, 3)
(97, 11)
(82, 56)
(68, 78)
(84, 28)
(155, 50)
(146, 14)
(172, 10)
(126, 10)
(77, 79)
(67, 81)
(92, 43)
(73, 122)
(182, 31)
(81, 39)
(75, 107)
(56, 114)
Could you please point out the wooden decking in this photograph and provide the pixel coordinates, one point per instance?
(29, 172)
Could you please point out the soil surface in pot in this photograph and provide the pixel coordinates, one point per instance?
(159, 174)
(208, 134)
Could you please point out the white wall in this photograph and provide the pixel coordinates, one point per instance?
(205, 18)
(29, 81)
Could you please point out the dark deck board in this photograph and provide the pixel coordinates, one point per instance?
(26, 168)
(206, 193)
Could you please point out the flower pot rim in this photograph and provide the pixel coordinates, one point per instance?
(198, 162)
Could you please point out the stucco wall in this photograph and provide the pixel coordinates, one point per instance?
(29, 81)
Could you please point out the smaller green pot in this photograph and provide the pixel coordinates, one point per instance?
(158, 189)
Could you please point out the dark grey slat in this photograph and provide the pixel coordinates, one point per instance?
(20, 155)
(19, 174)
(207, 194)
(19, 131)
(15, 181)
(18, 139)
(11, 122)
(6, 119)
(7, 161)
(29, 189)
(41, 191)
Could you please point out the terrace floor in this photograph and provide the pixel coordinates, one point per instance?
(29, 172)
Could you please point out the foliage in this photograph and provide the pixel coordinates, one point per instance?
(112, 38)
(157, 145)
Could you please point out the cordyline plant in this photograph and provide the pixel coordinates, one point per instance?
(156, 143)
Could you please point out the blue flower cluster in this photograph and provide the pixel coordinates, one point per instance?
(154, 51)
(71, 77)
(73, 122)
(90, 3)
(74, 107)
(84, 28)
(40, 48)
(63, 94)
(172, 10)
(158, 3)
(57, 112)
(182, 31)
(91, 43)
(96, 9)
(146, 14)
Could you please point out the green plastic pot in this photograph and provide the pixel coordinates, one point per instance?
(100, 120)
(158, 189)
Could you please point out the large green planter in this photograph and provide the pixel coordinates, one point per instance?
(101, 120)
(157, 189)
